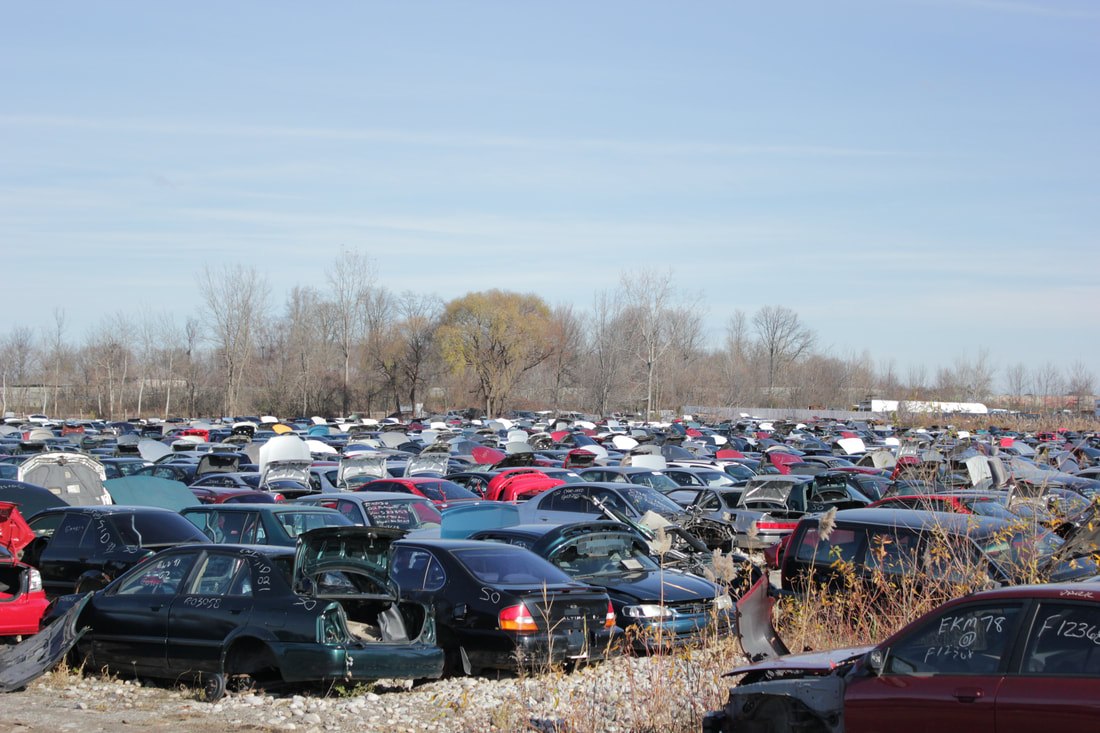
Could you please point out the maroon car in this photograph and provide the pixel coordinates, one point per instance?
(1021, 658)
(441, 492)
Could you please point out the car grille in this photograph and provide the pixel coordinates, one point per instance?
(692, 608)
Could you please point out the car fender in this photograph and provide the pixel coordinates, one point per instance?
(30, 659)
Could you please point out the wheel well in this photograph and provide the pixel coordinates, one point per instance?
(252, 657)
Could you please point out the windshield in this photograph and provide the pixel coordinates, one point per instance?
(601, 554)
(655, 480)
(715, 478)
(1019, 553)
(645, 499)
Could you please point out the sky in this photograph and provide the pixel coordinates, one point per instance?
(915, 178)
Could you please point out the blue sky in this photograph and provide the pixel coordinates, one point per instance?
(898, 172)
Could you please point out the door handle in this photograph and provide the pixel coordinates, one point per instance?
(969, 694)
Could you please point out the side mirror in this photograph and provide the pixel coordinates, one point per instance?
(874, 661)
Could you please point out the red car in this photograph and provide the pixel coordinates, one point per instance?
(441, 492)
(1020, 658)
(22, 598)
(517, 484)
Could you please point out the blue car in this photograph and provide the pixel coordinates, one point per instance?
(657, 606)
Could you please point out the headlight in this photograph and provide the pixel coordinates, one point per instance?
(723, 602)
(647, 610)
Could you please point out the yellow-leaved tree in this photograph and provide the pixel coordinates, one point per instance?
(497, 335)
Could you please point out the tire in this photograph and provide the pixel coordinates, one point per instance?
(213, 687)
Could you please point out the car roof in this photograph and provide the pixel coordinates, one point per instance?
(919, 519)
(360, 497)
(106, 509)
(455, 544)
(246, 507)
(1074, 590)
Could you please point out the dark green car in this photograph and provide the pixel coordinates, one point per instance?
(261, 524)
(215, 612)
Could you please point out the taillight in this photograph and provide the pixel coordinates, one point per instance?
(776, 525)
(34, 581)
(331, 628)
(517, 618)
(279, 498)
(609, 622)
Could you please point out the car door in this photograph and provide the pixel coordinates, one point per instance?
(1057, 685)
(216, 600)
(65, 556)
(942, 675)
(129, 620)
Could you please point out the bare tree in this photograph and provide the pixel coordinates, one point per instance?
(350, 278)
(234, 302)
(649, 312)
(783, 339)
(606, 350)
(1048, 382)
(57, 346)
(1079, 384)
(1017, 383)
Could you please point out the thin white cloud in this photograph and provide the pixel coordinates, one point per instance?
(399, 137)
(1048, 10)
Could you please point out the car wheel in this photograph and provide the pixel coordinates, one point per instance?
(213, 688)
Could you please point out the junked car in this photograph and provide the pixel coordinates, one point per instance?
(82, 548)
(657, 606)
(323, 612)
(1019, 658)
(771, 505)
(22, 598)
(502, 607)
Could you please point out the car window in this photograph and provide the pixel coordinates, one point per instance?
(1064, 640)
(221, 575)
(893, 552)
(509, 565)
(961, 641)
(69, 533)
(415, 569)
(709, 502)
(841, 545)
(350, 510)
(568, 499)
(294, 523)
(157, 577)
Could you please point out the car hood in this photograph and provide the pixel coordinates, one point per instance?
(434, 464)
(361, 550)
(810, 662)
(288, 470)
(653, 586)
(367, 466)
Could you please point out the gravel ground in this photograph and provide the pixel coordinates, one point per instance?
(664, 693)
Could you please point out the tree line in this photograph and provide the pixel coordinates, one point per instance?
(353, 346)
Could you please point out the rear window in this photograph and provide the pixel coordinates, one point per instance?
(444, 490)
(161, 528)
(841, 545)
(509, 565)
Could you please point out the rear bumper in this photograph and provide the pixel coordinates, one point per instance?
(314, 662)
(539, 649)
